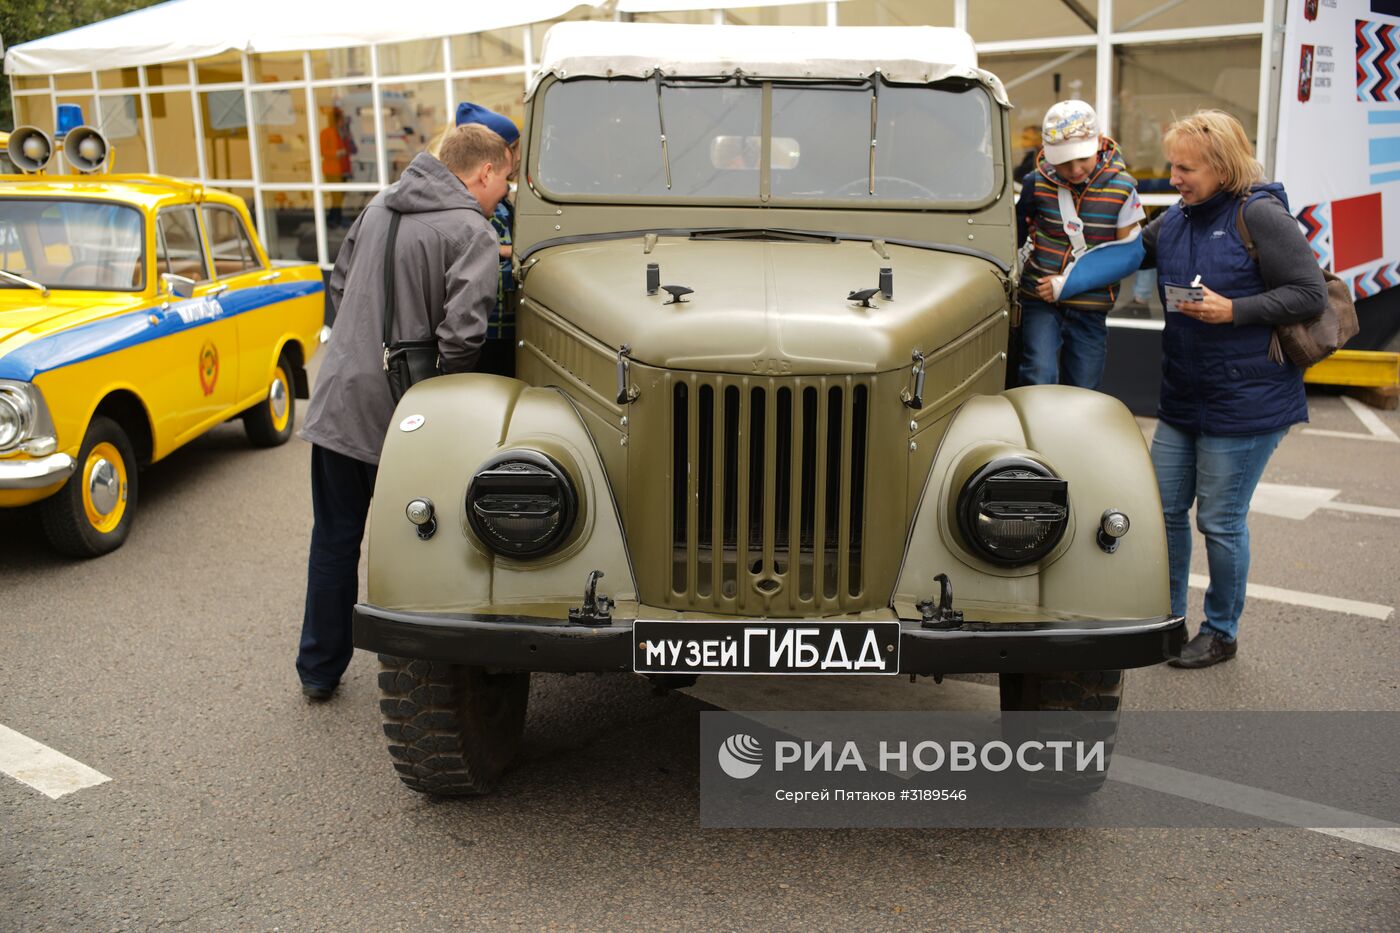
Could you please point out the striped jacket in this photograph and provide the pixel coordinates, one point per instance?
(1098, 200)
(501, 323)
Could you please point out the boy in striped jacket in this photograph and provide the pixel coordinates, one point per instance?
(1079, 196)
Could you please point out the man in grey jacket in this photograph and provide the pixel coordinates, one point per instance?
(444, 286)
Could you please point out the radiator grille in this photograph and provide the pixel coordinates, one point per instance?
(768, 492)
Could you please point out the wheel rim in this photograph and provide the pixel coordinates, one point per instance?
(104, 487)
(279, 400)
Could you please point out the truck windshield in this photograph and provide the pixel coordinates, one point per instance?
(604, 138)
(77, 244)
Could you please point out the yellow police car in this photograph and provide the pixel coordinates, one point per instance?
(136, 313)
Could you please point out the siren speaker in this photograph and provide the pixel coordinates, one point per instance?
(30, 149)
(85, 149)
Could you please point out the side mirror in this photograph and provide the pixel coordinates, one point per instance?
(177, 286)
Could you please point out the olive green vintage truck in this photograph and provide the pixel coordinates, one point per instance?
(758, 426)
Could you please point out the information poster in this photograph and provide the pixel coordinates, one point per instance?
(1339, 135)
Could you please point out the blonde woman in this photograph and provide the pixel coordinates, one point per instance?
(434, 147)
(1224, 405)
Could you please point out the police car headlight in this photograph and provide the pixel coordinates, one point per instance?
(1013, 511)
(521, 504)
(18, 413)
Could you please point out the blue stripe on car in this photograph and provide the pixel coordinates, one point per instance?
(109, 335)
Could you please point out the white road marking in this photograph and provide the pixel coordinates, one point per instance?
(1297, 502)
(1349, 435)
(1377, 430)
(1370, 419)
(51, 773)
(1300, 502)
(1275, 594)
(1363, 509)
(778, 694)
(1253, 801)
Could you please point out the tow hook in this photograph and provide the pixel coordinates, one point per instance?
(943, 615)
(596, 610)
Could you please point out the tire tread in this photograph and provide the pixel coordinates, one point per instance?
(1068, 691)
(443, 738)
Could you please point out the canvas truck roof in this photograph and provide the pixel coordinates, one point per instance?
(902, 54)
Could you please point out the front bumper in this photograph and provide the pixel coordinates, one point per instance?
(526, 643)
(35, 474)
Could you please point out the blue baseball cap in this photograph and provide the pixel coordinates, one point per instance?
(475, 113)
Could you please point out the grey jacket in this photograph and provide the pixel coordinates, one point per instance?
(444, 285)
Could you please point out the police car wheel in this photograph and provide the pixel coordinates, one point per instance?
(269, 422)
(92, 514)
(1098, 693)
(452, 729)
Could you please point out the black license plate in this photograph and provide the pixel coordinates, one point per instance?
(668, 647)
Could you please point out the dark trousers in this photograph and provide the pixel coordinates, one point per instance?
(341, 488)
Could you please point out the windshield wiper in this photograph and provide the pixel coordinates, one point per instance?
(40, 286)
(762, 233)
(661, 124)
(874, 129)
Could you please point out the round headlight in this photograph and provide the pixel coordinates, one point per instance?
(521, 504)
(1013, 511)
(16, 416)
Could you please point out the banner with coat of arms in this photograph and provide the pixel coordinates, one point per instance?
(1338, 148)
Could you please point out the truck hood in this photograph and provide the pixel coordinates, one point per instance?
(26, 316)
(765, 305)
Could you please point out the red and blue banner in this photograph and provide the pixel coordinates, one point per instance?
(1338, 150)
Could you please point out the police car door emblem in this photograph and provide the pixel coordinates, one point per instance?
(208, 367)
(411, 423)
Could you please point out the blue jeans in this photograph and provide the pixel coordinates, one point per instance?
(1062, 346)
(1219, 474)
(341, 488)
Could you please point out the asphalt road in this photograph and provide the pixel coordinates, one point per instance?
(235, 805)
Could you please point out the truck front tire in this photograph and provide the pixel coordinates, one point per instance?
(1096, 692)
(452, 729)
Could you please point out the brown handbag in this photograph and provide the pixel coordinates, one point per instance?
(1311, 341)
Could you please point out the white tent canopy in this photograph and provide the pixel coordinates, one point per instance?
(903, 54)
(182, 29)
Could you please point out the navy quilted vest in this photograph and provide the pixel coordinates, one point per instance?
(1218, 378)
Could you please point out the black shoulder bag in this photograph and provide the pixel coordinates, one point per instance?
(408, 361)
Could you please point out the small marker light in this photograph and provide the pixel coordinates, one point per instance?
(420, 513)
(1112, 527)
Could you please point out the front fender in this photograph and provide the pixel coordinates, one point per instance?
(465, 419)
(1093, 442)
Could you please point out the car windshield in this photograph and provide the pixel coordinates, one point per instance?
(679, 140)
(78, 244)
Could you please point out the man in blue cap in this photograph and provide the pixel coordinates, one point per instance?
(498, 352)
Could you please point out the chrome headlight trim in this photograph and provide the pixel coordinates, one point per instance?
(20, 407)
